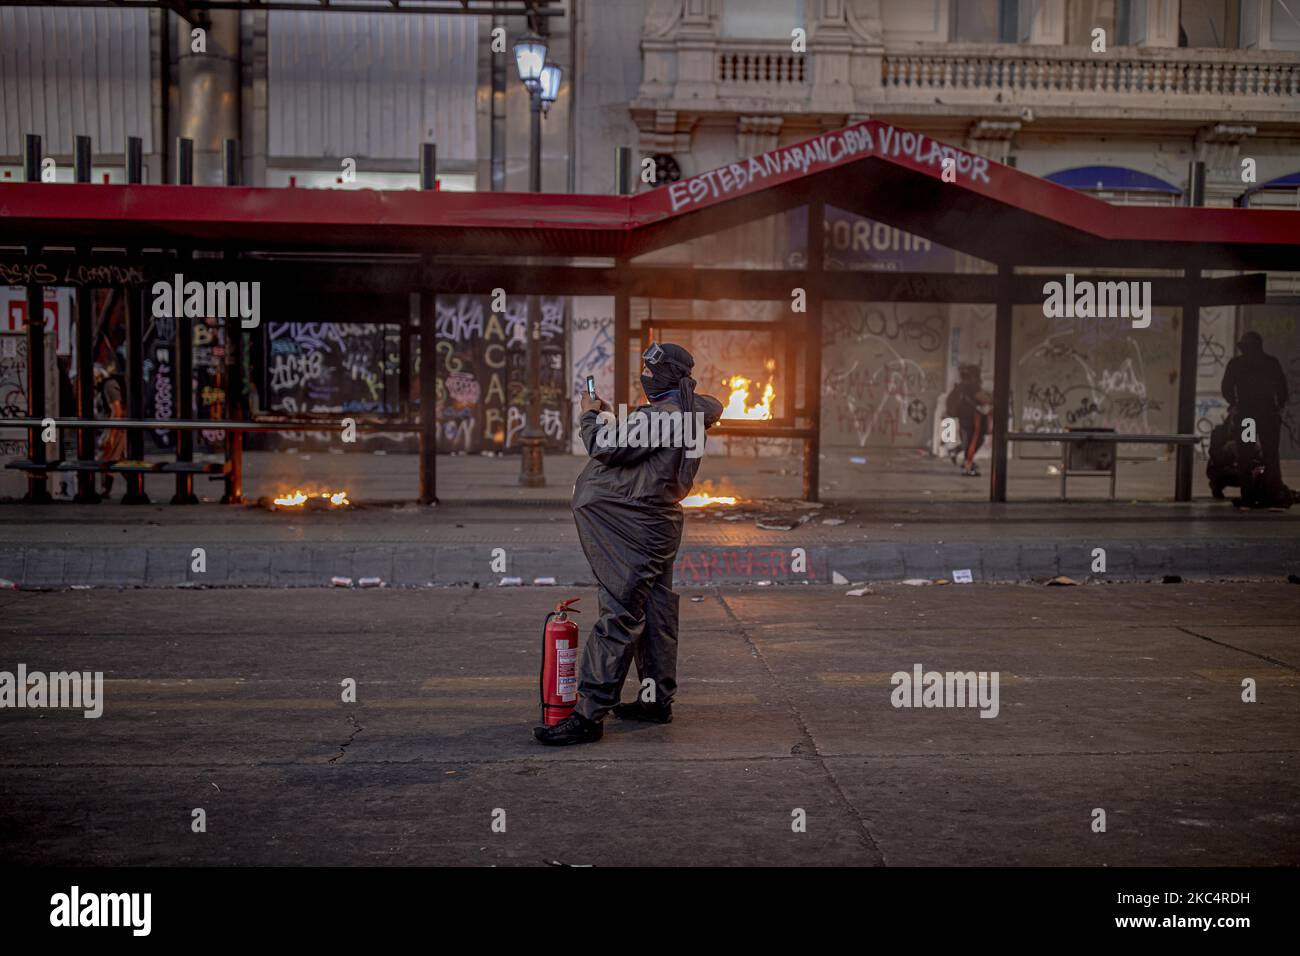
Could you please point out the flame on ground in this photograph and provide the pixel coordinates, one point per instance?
(298, 498)
(705, 497)
(738, 401)
(704, 500)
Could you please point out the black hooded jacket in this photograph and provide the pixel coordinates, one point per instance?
(656, 476)
(1255, 383)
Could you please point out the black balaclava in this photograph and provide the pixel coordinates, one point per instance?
(1252, 343)
(672, 371)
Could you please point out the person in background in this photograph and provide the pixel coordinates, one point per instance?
(969, 404)
(1255, 387)
(109, 403)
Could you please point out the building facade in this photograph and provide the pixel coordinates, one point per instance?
(1115, 98)
(1135, 101)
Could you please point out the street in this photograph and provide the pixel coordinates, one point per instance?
(1125, 698)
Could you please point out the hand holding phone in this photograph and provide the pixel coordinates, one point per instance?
(591, 387)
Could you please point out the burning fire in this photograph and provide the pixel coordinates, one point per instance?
(296, 499)
(703, 500)
(705, 497)
(738, 401)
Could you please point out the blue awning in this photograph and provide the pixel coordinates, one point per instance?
(1289, 181)
(1113, 178)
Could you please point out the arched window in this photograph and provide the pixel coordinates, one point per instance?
(1119, 185)
(1280, 193)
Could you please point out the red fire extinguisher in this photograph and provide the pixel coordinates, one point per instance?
(559, 677)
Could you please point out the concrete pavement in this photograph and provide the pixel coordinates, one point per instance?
(1120, 697)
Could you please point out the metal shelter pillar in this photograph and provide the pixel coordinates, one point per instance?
(38, 483)
(815, 295)
(1187, 353)
(1001, 383)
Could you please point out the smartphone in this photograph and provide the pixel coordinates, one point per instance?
(591, 386)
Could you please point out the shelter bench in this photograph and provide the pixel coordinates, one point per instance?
(1101, 438)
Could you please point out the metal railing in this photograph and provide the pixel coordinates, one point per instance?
(213, 425)
(231, 470)
(767, 66)
(1122, 72)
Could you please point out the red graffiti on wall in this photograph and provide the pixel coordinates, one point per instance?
(701, 565)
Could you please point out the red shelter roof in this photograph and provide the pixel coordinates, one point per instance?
(893, 175)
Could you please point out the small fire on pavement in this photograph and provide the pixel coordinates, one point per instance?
(705, 498)
(298, 499)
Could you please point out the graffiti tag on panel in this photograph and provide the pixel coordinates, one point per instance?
(482, 373)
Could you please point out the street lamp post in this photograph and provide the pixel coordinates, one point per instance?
(542, 80)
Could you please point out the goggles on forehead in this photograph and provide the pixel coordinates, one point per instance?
(653, 355)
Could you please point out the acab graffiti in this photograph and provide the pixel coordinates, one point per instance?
(482, 373)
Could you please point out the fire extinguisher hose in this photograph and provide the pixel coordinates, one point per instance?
(541, 671)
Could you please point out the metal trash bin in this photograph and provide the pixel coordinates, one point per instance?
(1090, 457)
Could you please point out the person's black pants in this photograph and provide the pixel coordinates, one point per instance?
(1268, 440)
(631, 555)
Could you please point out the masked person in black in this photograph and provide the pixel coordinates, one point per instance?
(1255, 387)
(626, 506)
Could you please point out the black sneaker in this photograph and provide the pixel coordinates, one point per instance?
(574, 729)
(650, 713)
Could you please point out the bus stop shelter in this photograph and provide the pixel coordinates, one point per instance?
(361, 254)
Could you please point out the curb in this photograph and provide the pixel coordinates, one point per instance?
(406, 565)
